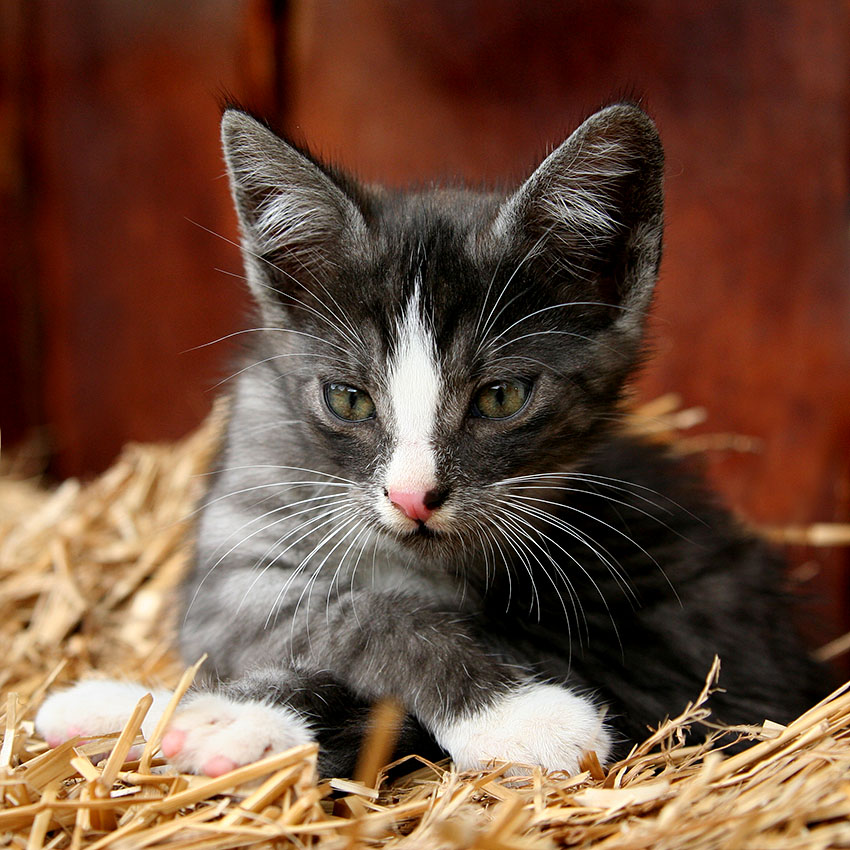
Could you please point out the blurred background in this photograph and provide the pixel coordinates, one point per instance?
(116, 231)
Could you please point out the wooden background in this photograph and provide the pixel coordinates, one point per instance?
(112, 188)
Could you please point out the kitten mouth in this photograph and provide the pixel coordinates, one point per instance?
(414, 527)
(421, 531)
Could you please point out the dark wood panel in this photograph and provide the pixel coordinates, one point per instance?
(127, 180)
(19, 358)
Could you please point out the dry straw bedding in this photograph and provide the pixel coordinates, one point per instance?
(87, 580)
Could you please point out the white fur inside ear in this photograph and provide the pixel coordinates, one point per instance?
(574, 189)
(96, 707)
(283, 198)
(294, 216)
(536, 724)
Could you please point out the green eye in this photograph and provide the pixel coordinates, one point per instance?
(501, 399)
(349, 403)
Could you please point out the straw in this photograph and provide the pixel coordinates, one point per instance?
(89, 575)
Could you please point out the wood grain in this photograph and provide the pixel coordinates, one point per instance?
(127, 183)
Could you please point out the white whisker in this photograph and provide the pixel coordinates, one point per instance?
(347, 524)
(364, 530)
(337, 498)
(327, 518)
(492, 317)
(585, 539)
(520, 527)
(340, 319)
(278, 466)
(535, 598)
(280, 540)
(589, 339)
(274, 357)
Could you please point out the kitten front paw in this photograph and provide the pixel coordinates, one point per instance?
(546, 725)
(213, 734)
(96, 707)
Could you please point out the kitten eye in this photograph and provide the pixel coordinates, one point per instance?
(349, 403)
(501, 399)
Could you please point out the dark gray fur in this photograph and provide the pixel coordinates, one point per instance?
(661, 578)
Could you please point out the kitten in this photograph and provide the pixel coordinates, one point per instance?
(425, 490)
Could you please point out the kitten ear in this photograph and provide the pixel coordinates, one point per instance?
(593, 210)
(292, 213)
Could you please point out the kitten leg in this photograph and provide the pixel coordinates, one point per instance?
(476, 704)
(543, 724)
(210, 732)
(335, 717)
(96, 707)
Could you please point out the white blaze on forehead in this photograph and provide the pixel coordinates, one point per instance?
(414, 389)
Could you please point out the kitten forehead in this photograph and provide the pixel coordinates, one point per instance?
(415, 385)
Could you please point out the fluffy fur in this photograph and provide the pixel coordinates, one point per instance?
(530, 586)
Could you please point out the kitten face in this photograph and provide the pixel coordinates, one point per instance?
(434, 345)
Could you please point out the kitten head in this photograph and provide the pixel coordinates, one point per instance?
(435, 345)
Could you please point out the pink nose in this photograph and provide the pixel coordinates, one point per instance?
(412, 504)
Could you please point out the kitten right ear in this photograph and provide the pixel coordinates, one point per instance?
(593, 210)
(292, 214)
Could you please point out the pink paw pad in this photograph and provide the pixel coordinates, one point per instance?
(218, 766)
(213, 734)
(172, 742)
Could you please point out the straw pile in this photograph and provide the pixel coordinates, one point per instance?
(87, 580)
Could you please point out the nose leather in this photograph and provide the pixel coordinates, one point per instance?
(411, 504)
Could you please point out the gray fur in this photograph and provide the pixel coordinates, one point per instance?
(301, 589)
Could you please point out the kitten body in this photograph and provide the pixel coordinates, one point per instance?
(425, 491)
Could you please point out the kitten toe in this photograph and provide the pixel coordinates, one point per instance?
(219, 765)
(172, 742)
(536, 724)
(213, 734)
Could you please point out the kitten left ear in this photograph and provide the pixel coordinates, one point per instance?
(593, 210)
(293, 215)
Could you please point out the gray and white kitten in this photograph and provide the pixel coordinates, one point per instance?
(425, 493)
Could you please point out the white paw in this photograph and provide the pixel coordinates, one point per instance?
(535, 724)
(96, 707)
(213, 734)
